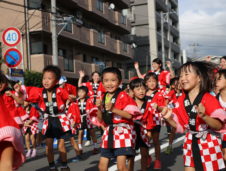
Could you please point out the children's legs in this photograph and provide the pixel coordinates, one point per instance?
(6, 158)
(103, 164)
(131, 163)
(27, 141)
(224, 153)
(144, 158)
(62, 150)
(33, 140)
(75, 145)
(189, 169)
(80, 138)
(121, 163)
(93, 135)
(172, 135)
(155, 136)
(49, 150)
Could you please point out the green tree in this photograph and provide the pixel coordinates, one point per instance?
(32, 78)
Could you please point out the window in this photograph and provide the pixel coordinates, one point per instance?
(68, 61)
(100, 5)
(34, 4)
(123, 19)
(37, 47)
(124, 47)
(101, 37)
(68, 27)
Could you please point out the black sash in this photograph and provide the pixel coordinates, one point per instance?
(95, 88)
(192, 113)
(149, 98)
(45, 97)
(108, 117)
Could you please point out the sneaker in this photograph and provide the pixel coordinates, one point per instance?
(28, 154)
(65, 169)
(95, 151)
(149, 161)
(169, 150)
(87, 143)
(76, 159)
(157, 165)
(33, 154)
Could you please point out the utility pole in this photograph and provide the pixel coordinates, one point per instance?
(163, 43)
(54, 33)
(27, 32)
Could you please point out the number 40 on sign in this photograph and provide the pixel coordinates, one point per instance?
(11, 36)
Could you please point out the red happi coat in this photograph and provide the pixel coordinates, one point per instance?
(209, 144)
(73, 114)
(33, 115)
(156, 115)
(70, 89)
(124, 134)
(10, 132)
(36, 96)
(100, 90)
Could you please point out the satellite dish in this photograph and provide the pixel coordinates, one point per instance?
(111, 6)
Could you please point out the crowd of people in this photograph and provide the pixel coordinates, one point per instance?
(191, 101)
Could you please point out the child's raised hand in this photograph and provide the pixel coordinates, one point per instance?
(201, 110)
(136, 65)
(108, 106)
(81, 74)
(166, 113)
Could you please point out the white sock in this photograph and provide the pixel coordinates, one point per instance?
(80, 146)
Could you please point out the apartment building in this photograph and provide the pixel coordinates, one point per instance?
(146, 17)
(91, 40)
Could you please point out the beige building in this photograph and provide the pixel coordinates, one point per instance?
(91, 42)
(146, 20)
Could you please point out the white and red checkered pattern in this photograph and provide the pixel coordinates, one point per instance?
(158, 120)
(123, 136)
(89, 123)
(210, 151)
(144, 136)
(33, 127)
(45, 126)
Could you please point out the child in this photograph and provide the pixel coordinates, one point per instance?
(68, 87)
(116, 114)
(30, 130)
(221, 87)
(86, 107)
(163, 75)
(51, 100)
(156, 97)
(144, 125)
(201, 115)
(11, 142)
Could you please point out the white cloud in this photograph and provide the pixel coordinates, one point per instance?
(203, 22)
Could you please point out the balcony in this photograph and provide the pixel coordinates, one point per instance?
(174, 31)
(124, 49)
(174, 3)
(122, 21)
(161, 5)
(174, 16)
(159, 38)
(40, 21)
(83, 4)
(175, 47)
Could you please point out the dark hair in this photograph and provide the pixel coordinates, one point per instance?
(222, 72)
(204, 70)
(54, 69)
(83, 88)
(149, 75)
(173, 80)
(136, 83)
(3, 78)
(114, 71)
(95, 72)
(158, 61)
(223, 57)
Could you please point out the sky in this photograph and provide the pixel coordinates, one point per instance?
(203, 27)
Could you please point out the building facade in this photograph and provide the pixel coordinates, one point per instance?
(149, 18)
(91, 40)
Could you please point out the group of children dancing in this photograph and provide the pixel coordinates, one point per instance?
(130, 118)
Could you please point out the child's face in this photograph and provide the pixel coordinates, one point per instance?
(111, 82)
(96, 77)
(223, 64)
(2, 86)
(49, 80)
(151, 83)
(220, 83)
(139, 92)
(189, 79)
(81, 94)
(155, 66)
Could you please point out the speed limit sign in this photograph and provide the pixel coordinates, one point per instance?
(11, 36)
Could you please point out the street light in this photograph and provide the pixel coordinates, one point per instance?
(164, 18)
